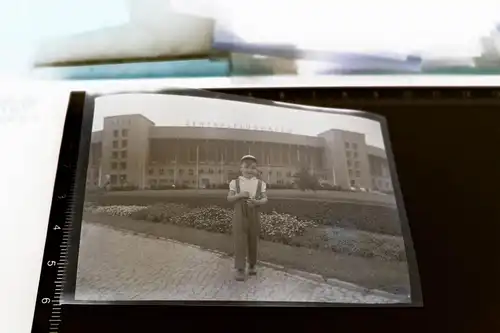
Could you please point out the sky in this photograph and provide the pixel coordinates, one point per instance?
(170, 110)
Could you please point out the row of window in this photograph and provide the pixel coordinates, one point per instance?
(188, 182)
(114, 179)
(191, 172)
(354, 154)
(356, 163)
(121, 121)
(116, 133)
(123, 145)
(170, 181)
(122, 154)
(114, 165)
(171, 171)
(357, 173)
(353, 145)
(381, 184)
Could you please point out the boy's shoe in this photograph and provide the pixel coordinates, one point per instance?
(240, 275)
(252, 270)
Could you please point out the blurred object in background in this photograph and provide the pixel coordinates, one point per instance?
(490, 57)
(252, 64)
(353, 37)
(361, 64)
(153, 31)
(311, 61)
(132, 70)
(16, 39)
(197, 38)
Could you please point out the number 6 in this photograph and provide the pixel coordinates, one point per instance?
(45, 300)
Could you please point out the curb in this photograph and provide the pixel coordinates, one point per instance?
(317, 278)
(365, 291)
(306, 275)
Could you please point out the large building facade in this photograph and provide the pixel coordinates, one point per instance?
(135, 152)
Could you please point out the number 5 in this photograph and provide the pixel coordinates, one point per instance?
(51, 263)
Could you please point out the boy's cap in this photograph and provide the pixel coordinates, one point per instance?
(249, 157)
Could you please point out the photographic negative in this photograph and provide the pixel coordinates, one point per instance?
(198, 198)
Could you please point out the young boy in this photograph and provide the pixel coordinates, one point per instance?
(247, 192)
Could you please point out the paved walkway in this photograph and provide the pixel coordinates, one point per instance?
(116, 265)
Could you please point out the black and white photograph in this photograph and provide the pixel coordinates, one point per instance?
(192, 198)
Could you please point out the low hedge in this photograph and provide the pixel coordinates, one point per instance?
(377, 219)
(160, 212)
(359, 243)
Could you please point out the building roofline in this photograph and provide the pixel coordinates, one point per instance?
(246, 130)
(232, 134)
(371, 150)
(376, 151)
(135, 115)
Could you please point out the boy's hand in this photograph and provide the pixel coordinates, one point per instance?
(244, 195)
(252, 202)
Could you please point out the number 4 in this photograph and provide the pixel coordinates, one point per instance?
(56, 227)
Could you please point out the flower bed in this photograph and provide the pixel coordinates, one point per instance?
(211, 218)
(116, 210)
(280, 227)
(359, 216)
(276, 227)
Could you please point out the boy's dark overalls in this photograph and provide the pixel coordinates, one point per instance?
(246, 229)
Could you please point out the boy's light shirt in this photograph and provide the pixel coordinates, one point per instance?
(249, 185)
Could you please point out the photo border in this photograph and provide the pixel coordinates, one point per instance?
(81, 161)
